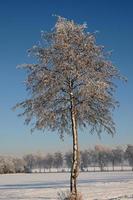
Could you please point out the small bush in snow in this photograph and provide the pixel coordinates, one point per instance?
(66, 195)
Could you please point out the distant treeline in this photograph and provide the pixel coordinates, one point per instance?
(99, 158)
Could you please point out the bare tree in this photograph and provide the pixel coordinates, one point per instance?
(71, 85)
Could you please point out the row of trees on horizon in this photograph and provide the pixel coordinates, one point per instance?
(99, 158)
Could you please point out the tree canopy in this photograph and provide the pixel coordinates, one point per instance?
(70, 63)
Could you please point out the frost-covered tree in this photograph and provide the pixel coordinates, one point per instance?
(84, 159)
(49, 159)
(117, 157)
(129, 155)
(119, 153)
(58, 160)
(93, 158)
(29, 162)
(112, 159)
(70, 85)
(68, 159)
(44, 163)
(6, 165)
(1, 165)
(102, 156)
(19, 165)
(39, 161)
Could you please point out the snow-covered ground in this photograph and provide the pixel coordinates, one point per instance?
(93, 185)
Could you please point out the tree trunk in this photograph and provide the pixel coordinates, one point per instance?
(121, 166)
(113, 164)
(75, 164)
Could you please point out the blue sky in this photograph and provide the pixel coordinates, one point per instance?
(20, 25)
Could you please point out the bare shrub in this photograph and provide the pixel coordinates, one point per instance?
(66, 195)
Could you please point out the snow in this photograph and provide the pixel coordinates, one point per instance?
(93, 185)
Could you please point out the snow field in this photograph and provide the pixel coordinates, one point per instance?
(93, 185)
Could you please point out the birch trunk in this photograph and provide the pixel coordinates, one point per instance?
(75, 164)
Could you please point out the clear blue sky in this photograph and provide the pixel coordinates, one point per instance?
(20, 25)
